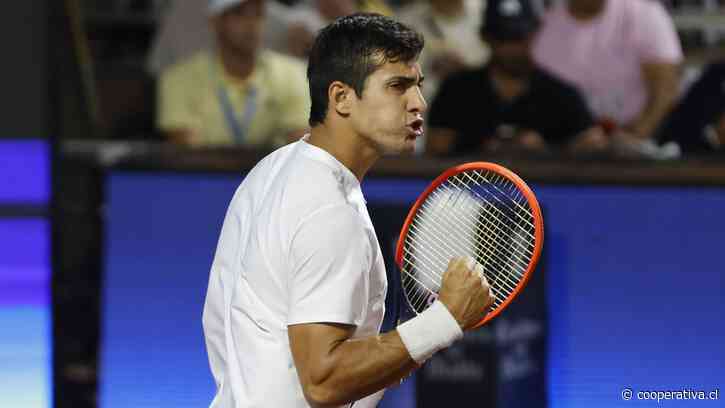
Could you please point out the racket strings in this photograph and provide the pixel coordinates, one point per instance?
(474, 213)
(489, 252)
(520, 227)
(482, 231)
(507, 284)
(428, 263)
(497, 230)
(494, 229)
(497, 180)
(527, 217)
(448, 245)
(530, 224)
(500, 286)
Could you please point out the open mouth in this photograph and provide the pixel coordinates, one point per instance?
(415, 129)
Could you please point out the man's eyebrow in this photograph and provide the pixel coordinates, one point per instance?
(408, 80)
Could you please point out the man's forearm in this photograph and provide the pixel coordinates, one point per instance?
(661, 82)
(358, 367)
(657, 108)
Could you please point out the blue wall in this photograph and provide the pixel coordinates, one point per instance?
(636, 292)
(25, 345)
(635, 289)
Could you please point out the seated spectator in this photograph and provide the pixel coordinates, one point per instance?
(306, 20)
(510, 102)
(697, 124)
(184, 30)
(239, 93)
(622, 55)
(451, 35)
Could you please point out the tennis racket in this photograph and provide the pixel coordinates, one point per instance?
(481, 210)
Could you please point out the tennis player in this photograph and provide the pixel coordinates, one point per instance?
(297, 289)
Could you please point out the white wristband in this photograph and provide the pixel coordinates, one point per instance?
(432, 330)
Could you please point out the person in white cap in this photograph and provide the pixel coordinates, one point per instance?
(297, 288)
(238, 93)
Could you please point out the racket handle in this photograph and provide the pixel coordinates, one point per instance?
(430, 331)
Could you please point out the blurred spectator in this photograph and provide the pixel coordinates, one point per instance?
(510, 103)
(697, 124)
(184, 30)
(307, 19)
(623, 56)
(451, 35)
(239, 93)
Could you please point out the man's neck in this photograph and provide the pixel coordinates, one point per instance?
(236, 65)
(346, 147)
(585, 13)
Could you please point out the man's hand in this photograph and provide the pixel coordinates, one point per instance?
(661, 80)
(530, 141)
(592, 140)
(720, 131)
(465, 292)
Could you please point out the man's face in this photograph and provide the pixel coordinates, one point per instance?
(512, 56)
(389, 114)
(240, 27)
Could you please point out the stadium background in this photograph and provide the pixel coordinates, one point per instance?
(100, 290)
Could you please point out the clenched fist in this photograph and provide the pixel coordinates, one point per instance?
(465, 292)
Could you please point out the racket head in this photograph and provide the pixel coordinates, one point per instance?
(536, 226)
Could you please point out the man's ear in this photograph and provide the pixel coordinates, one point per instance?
(340, 97)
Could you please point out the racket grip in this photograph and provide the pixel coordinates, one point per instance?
(430, 331)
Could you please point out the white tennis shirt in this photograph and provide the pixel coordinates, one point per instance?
(297, 246)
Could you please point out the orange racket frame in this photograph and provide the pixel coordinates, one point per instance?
(525, 191)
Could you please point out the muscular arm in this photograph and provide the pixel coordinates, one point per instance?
(661, 80)
(334, 369)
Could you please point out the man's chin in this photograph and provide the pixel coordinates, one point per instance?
(407, 148)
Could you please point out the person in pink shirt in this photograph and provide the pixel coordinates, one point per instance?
(622, 55)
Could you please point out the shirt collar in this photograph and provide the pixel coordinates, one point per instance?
(220, 73)
(344, 176)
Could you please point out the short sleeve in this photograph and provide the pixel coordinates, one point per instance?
(657, 40)
(174, 106)
(331, 257)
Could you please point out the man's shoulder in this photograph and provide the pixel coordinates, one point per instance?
(636, 12)
(552, 84)
(196, 65)
(279, 65)
(304, 182)
(314, 183)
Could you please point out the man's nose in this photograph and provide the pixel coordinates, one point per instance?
(417, 101)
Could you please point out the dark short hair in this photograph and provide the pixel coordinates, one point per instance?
(350, 49)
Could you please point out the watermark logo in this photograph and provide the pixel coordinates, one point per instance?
(683, 394)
